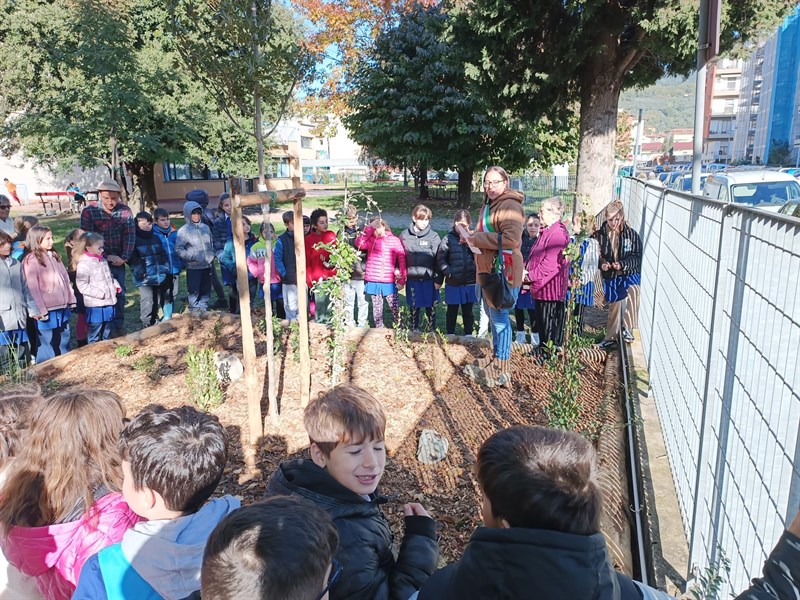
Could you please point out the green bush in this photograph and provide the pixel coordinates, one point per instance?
(201, 378)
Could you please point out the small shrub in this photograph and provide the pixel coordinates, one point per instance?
(201, 378)
(123, 350)
(15, 372)
(147, 364)
(712, 579)
(294, 339)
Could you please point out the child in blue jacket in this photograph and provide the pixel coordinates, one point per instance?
(150, 269)
(166, 232)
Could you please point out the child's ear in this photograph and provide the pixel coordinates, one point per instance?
(318, 456)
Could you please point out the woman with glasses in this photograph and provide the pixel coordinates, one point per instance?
(6, 222)
(501, 213)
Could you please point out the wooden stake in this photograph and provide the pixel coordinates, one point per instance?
(256, 198)
(272, 390)
(248, 342)
(302, 300)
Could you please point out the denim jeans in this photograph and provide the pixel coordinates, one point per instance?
(118, 273)
(354, 292)
(98, 331)
(501, 328)
(290, 301)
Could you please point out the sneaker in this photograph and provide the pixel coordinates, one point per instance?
(607, 345)
(535, 339)
(521, 338)
(627, 335)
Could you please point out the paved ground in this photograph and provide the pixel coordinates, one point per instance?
(670, 548)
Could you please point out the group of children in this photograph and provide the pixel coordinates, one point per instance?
(94, 507)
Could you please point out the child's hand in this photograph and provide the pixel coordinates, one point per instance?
(415, 509)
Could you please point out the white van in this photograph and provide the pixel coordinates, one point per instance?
(759, 188)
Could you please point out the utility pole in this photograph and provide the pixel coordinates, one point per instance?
(637, 142)
(707, 48)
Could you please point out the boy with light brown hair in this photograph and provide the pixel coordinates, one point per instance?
(346, 427)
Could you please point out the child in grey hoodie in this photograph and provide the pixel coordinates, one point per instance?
(172, 461)
(194, 247)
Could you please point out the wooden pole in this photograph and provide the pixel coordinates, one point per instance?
(272, 390)
(248, 342)
(302, 299)
(277, 196)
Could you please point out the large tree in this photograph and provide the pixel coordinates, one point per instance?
(535, 55)
(94, 83)
(412, 103)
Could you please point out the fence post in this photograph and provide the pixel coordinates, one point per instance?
(662, 201)
(717, 307)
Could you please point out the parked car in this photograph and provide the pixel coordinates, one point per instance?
(791, 208)
(759, 188)
(684, 182)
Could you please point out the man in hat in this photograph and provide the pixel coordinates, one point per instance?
(114, 221)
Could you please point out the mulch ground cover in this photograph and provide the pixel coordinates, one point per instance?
(420, 384)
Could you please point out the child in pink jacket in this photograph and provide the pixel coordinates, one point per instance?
(386, 267)
(256, 263)
(60, 500)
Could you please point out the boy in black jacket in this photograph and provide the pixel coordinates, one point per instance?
(348, 454)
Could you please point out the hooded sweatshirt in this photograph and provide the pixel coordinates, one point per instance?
(156, 559)
(193, 243)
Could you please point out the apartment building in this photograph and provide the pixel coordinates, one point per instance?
(723, 86)
(767, 117)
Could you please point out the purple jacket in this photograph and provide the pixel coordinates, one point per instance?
(548, 268)
(384, 254)
(54, 554)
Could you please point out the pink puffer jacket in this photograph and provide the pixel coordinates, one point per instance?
(54, 554)
(384, 255)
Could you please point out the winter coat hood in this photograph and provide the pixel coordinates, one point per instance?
(54, 554)
(168, 554)
(188, 207)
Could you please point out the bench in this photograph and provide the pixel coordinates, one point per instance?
(52, 199)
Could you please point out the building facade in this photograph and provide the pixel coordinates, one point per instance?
(723, 86)
(767, 121)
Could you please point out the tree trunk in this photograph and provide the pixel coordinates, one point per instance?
(600, 90)
(145, 182)
(465, 186)
(423, 181)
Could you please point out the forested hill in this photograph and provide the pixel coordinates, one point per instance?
(667, 105)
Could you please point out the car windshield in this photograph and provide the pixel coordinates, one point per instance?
(686, 183)
(767, 193)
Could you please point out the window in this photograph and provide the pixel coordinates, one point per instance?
(731, 83)
(723, 150)
(305, 142)
(278, 168)
(187, 172)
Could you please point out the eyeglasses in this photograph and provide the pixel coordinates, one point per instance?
(5, 206)
(489, 184)
(336, 570)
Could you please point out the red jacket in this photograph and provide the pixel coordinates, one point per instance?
(383, 255)
(548, 268)
(54, 554)
(315, 259)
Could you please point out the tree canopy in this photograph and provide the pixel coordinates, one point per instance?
(412, 103)
(536, 55)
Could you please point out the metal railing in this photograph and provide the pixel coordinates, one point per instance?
(720, 325)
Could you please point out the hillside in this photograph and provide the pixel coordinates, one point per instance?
(667, 105)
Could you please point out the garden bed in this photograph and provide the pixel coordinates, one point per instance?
(420, 384)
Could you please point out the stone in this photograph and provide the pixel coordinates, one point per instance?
(432, 447)
(229, 367)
